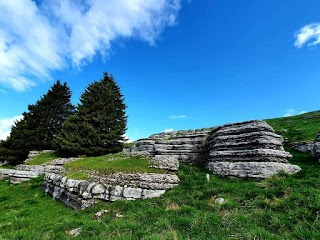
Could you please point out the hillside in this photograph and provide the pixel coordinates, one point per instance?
(297, 128)
(281, 207)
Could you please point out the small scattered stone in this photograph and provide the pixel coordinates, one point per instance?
(118, 215)
(74, 232)
(219, 200)
(100, 214)
(208, 177)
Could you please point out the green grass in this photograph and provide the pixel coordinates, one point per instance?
(42, 158)
(302, 127)
(7, 166)
(112, 163)
(282, 207)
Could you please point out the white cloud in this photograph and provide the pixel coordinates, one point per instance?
(56, 34)
(293, 112)
(127, 139)
(168, 130)
(309, 34)
(5, 126)
(178, 116)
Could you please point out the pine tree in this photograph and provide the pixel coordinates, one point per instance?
(40, 125)
(98, 126)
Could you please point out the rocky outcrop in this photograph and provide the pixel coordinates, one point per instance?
(168, 149)
(316, 147)
(248, 149)
(24, 172)
(251, 169)
(80, 194)
(305, 147)
(17, 176)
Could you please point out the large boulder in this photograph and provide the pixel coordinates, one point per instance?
(248, 149)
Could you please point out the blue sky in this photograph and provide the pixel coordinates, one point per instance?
(180, 64)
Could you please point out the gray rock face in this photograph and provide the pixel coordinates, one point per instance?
(3, 163)
(251, 169)
(17, 176)
(305, 147)
(40, 168)
(80, 194)
(248, 149)
(168, 149)
(316, 147)
(169, 162)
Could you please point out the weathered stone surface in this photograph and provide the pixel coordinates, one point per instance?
(132, 193)
(63, 161)
(152, 193)
(80, 194)
(248, 149)
(316, 147)
(40, 168)
(140, 180)
(168, 162)
(3, 163)
(219, 200)
(188, 145)
(251, 169)
(258, 155)
(305, 147)
(17, 176)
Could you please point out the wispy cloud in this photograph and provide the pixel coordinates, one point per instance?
(308, 35)
(5, 126)
(38, 37)
(168, 130)
(177, 116)
(3, 91)
(292, 112)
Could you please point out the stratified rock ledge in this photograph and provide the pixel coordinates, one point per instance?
(258, 170)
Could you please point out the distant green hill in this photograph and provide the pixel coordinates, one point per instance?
(298, 128)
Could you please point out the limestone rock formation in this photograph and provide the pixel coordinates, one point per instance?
(305, 147)
(24, 172)
(17, 176)
(316, 147)
(168, 149)
(80, 194)
(248, 149)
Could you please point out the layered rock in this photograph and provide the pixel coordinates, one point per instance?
(24, 172)
(80, 194)
(316, 147)
(168, 149)
(17, 176)
(248, 149)
(305, 147)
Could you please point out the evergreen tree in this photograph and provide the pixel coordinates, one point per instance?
(40, 125)
(98, 126)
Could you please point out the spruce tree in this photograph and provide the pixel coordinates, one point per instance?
(40, 125)
(99, 124)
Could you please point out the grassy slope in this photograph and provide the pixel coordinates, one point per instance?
(283, 207)
(302, 127)
(42, 158)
